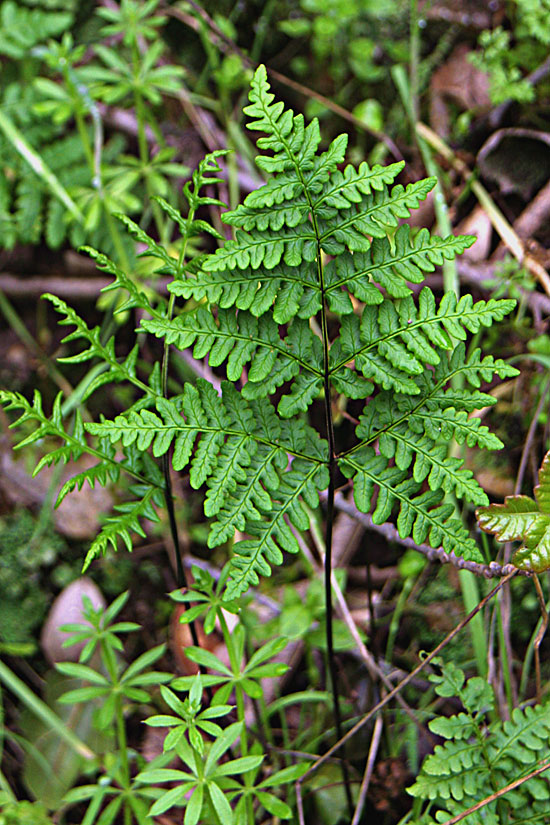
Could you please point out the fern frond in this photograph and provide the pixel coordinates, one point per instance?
(520, 738)
(386, 415)
(242, 455)
(286, 203)
(208, 415)
(100, 474)
(351, 185)
(404, 338)
(476, 369)
(270, 537)
(479, 757)
(421, 514)
(265, 248)
(117, 370)
(412, 430)
(394, 263)
(73, 444)
(243, 340)
(279, 319)
(288, 291)
(293, 144)
(377, 213)
(122, 526)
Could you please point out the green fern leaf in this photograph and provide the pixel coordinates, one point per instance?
(421, 515)
(393, 264)
(241, 340)
(350, 185)
(524, 519)
(255, 556)
(282, 324)
(123, 525)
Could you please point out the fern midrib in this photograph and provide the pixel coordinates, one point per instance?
(201, 428)
(331, 489)
(365, 213)
(374, 268)
(255, 479)
(262, 543)
(324, 328)
(347, 184)
(52, 430)
(96, 349)
(239, 280)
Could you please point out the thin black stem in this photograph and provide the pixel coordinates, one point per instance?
(168, 496)
(329, 633)
(328, 538)
(181, 577)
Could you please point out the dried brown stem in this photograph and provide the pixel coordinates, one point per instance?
(515, 784)
(387, 530)
(540, 634)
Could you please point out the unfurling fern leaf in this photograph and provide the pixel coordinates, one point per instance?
(310, 299)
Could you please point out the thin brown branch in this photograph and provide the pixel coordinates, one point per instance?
(540, 635)
(389, 532)
(515, 784)
(371, 758)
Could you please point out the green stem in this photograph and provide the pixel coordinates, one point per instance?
(235, 667)
(396, 616)
(43, 712)
(123, 751)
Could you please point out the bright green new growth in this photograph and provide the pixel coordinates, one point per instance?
(480, 757)
(310, 300)
(522, 518)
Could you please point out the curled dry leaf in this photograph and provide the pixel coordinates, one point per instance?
(459, 82)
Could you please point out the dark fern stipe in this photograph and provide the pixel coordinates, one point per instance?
(310, 300)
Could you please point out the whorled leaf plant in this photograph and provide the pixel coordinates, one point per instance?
(309, 301)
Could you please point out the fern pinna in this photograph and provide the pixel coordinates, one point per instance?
(310, 300)
(479, 757)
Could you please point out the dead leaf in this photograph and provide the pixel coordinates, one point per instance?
(459, 82)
